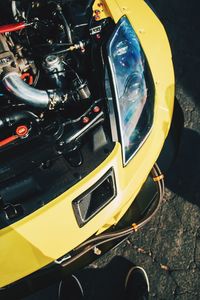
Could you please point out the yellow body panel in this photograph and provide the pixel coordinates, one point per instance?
(52, 231)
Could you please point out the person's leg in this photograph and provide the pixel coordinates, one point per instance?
(70, 289)
(136, 284)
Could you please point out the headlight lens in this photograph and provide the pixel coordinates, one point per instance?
(132, 89)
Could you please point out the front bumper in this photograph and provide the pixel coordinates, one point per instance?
(50, 232)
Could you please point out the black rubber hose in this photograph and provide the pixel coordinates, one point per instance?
(16, 116)
(89, 4)
(66, 25)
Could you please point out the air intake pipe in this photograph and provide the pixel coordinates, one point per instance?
(29, 95)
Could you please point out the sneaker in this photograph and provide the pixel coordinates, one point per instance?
(137, 284)
(70, 289)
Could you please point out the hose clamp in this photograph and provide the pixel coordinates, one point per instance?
(54, 99)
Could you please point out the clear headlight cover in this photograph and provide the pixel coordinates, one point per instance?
(133, 101)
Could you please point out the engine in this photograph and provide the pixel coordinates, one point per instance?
(53, 128)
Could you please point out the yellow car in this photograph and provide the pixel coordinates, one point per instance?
(87, 102)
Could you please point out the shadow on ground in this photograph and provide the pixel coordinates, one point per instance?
(183, 178)
(182, 23)
(98, 283)
(108, 282)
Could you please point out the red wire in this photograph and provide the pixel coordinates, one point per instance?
(8, 140)
(12, 27)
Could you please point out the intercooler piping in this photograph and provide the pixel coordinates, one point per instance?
(29, 95)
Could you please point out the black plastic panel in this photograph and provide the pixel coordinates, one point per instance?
(93, 200)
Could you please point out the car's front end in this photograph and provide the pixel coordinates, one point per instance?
(78, 176)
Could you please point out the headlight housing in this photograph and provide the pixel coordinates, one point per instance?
(132, 88)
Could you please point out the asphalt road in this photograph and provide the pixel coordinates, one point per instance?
(169, 246)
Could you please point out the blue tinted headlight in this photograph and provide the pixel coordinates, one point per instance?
(131, 88)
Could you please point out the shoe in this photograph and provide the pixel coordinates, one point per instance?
(70, 289)
(137, 284)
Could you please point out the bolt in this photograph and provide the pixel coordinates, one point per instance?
(61, 143)
(97, 251)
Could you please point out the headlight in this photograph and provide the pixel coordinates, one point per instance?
(132, 85)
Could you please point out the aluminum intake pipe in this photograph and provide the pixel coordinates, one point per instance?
(30, 95)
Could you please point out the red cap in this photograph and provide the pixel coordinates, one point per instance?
(22, 130)
(86, 120)
(96, 109)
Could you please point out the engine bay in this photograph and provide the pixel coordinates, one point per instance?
(54, 128)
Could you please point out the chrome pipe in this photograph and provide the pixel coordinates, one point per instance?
(29, 95)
